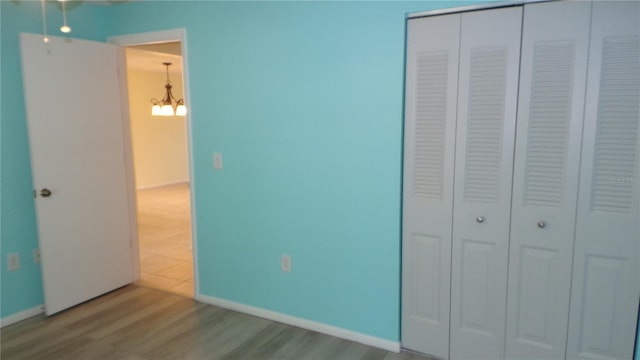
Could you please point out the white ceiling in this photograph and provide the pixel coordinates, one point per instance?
(173, 47)
(152, 61)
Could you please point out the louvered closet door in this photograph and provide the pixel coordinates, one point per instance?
(606, 271)
(553, 71)
(487, 96)
(430, 120)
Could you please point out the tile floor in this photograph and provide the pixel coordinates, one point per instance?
(164, 237)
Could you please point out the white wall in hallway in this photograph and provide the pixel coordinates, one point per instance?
(159, 142)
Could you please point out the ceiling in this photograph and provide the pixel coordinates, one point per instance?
(150, 57)
(167, 47)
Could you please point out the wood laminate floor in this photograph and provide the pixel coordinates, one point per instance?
(138, 323)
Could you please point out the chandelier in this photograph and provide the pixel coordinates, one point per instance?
(169, 105)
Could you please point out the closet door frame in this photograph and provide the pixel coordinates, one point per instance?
(414, 223)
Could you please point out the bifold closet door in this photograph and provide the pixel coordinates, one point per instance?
(553, 71)
(487, 99)
(430, 123)
(605, 286)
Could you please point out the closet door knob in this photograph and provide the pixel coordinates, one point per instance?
(541, 224)
(480, 219)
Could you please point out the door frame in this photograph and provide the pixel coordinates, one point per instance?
(146, 38)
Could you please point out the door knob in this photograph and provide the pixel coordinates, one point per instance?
(541, 224)
(45, 192)
(480, 219)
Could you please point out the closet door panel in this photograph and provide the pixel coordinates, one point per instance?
(553, 70)
(605, 286)
(430, 120)
(488, 86)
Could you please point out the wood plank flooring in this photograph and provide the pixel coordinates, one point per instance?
(138, 323)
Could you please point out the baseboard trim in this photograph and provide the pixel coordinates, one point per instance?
(155, 186)
(302, 323)
(22, 315)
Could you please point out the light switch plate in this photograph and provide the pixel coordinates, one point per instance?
(217, 161)
(285, 263)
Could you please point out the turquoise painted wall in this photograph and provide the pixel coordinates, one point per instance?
(22, 289)
(304, 100)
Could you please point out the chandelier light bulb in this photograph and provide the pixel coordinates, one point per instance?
(65, 29)
(166, 110)
(181, 110)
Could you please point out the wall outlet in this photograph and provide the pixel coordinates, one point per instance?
(285, 263)
(13, 261)
(36, 256)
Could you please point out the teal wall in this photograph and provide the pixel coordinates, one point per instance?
(304, 100)
(22, 289)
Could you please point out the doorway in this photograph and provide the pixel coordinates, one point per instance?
(160, 159)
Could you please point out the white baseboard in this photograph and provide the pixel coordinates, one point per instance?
(22, 315)
(350, 335)
(146, 187)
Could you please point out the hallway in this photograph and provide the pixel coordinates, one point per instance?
(164, 236)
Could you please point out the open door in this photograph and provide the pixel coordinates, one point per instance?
(76, 135)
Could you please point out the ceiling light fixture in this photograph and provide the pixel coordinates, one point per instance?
(45, 36)
(64, 28)
(166, 107)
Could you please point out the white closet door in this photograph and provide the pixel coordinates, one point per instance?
(555, 47)
(606, 272)
(430, 120)
(488, 87)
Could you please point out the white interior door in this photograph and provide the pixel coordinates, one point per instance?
(606, 269)
(487, 99)
(430, 123)
(75, 121)
(555, 47)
